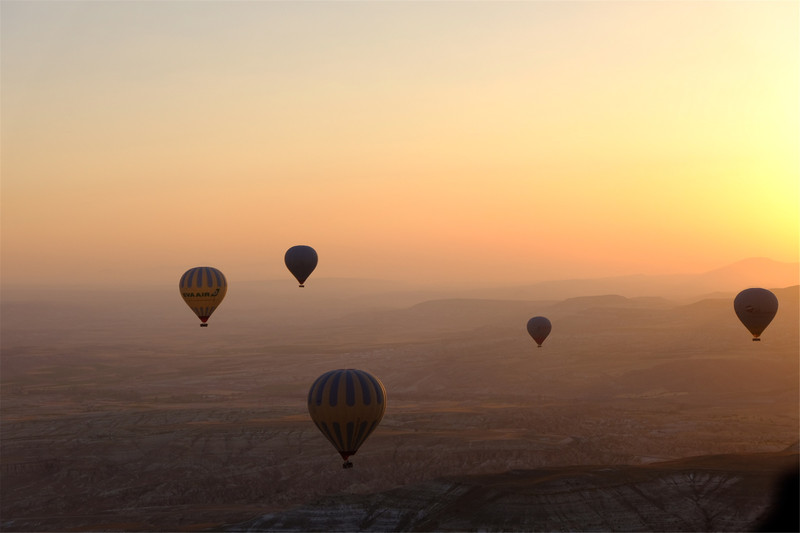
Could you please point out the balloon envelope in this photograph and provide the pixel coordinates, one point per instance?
(301, 261)
(539, 328)
(346, 405)
(203, 288)
(755, 308)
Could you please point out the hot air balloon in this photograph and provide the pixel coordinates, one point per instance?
(539, 328)
(203, 289)
(346, 405)
(755, 308)
(301, 261)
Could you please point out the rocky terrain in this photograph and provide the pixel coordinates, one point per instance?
(141, 420)
(709, 493)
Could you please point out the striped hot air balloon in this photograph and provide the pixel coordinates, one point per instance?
(347, 405)
(203, 288)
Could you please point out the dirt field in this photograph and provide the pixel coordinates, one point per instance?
(148, 422)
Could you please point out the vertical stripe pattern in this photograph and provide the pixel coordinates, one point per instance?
(203, 288)
(346, 405)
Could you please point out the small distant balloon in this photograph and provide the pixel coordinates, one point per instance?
(203, 288)
(301, 261)
(346, 405)
(755, 308)
(539, 328)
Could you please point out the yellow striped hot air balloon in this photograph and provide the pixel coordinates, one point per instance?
(347, 405)
(203, 288)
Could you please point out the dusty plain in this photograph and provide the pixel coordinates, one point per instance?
(120, 413)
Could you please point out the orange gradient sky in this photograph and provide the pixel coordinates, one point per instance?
(480, 142)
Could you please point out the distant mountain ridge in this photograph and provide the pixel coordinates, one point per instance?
(707, 493)
(442, 315)
(357, 292)
(754, 268)
(752, 272)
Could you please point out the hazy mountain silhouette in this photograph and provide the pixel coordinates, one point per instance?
(120, 412)
(753, 272)
(283, 303)
(584, 314)
(612, 301)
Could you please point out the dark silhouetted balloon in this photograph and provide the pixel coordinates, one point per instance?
(539, 328)
(346, 405)
(203, 288)
(301, 261)
(755, 308)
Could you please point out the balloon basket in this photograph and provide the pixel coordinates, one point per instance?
(203, 325)
(756, 339)
(347, 464)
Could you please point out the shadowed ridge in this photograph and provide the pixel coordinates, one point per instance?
(705, 493)
(793, 448)
(612, 301)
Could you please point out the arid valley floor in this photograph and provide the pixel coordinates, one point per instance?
(120, 413)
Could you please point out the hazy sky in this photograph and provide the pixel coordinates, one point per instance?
(495, 142)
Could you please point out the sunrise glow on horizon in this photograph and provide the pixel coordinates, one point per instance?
(490, 142)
